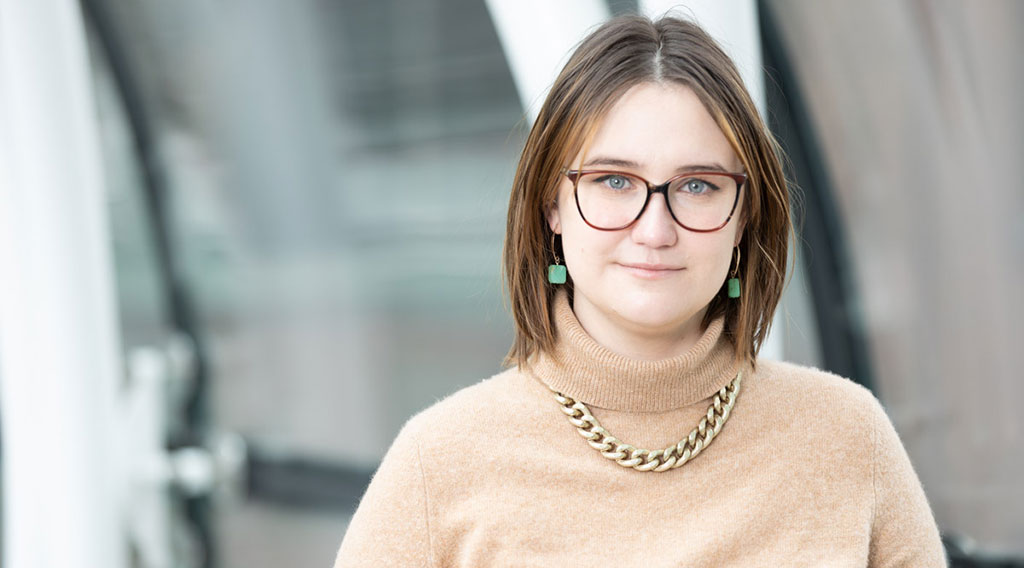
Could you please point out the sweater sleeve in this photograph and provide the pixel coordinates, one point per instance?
(903, 530)
(390, 528)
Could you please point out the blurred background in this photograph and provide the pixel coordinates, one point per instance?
(243, 242)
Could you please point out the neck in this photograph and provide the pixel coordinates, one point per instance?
(630, 339)
(582, 368)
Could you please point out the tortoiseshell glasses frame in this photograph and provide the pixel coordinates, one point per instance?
(575, 175)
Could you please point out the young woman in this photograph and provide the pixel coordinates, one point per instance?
(645, 254)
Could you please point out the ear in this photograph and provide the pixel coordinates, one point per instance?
(739, 235)
(741, 226)
(554, 220)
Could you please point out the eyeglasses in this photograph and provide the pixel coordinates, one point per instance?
(609, 200)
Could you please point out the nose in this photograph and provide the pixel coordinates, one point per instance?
(656, 228)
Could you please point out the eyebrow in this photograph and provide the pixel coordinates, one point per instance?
(621, 163)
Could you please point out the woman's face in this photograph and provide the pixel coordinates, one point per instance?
(653, 279)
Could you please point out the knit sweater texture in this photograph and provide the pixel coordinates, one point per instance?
(807, 471)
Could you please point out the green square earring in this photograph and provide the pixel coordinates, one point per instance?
(733, 283)
(556, 271)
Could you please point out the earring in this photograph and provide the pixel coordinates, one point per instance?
(734, 280)
(556, 271)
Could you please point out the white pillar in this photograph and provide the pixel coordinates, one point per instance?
(59, 352)
(538, 37)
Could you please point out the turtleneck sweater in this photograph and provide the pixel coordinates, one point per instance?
(807, 470)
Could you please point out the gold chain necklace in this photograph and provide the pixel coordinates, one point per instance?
(658, 460)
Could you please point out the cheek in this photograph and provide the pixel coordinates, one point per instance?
(724, 247)
(585, 250)
(714, 255)
(580, 243)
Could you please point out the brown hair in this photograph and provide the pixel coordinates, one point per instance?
(624, 52)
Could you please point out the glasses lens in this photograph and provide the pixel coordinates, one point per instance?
(702, 201)
(610, 200)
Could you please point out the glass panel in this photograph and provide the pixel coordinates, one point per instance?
(920, 126)
(339, 174)
(140, 285)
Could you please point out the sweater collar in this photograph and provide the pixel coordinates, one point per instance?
(580, 368)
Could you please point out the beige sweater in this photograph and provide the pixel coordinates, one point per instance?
(807, 471)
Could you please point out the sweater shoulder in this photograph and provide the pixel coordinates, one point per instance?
(808, 390)
(504, 397)
(791, 378)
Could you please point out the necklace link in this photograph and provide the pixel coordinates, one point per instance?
(640, 459)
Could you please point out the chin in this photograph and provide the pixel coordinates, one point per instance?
(654, 314)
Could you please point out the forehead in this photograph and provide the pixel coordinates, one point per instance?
(660, 127)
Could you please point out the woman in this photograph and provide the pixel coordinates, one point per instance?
(637, 426)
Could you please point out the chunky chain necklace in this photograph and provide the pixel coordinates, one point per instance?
(657, 460)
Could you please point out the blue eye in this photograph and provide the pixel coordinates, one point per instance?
(696, 186)
(617, 182)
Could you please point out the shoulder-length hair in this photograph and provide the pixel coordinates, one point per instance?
(624, 52)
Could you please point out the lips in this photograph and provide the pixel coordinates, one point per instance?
(644, 266)
(651, 271)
